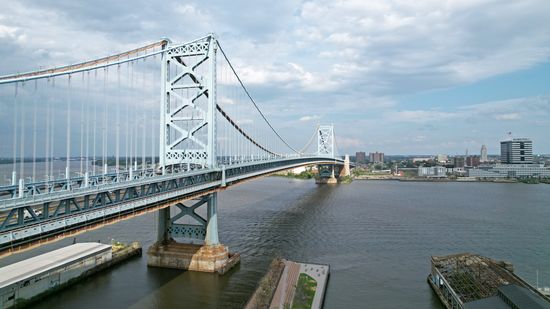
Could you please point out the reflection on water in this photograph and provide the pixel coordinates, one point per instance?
(377, 237)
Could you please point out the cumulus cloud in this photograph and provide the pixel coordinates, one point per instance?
(353, 60)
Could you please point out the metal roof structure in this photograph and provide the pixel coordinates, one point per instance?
(48, 261)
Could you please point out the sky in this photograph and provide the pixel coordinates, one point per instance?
(400, 77)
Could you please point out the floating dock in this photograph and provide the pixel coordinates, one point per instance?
(472, 281)
(28, 280)
(289, 284)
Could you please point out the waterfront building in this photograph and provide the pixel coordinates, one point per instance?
(483, 154)
(516, 151)
(360, 157)
(25, 280)
(510, 171)
(432, 171)
(376, 157)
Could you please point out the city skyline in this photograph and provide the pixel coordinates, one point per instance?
(401, 78)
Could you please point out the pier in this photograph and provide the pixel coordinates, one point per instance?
(27, 281)
(289, 284)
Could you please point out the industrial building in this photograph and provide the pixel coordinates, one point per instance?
(432, 171)
(22, 281)
(510, 171)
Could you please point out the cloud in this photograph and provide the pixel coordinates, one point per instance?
(355, 60)
(511, 116)
(309, 118)
(346, 143)
(419, 116)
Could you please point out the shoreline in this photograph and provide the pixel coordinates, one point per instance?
(410, 179)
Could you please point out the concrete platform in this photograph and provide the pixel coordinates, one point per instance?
(330, 180)
(192, 257)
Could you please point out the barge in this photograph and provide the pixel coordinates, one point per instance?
(471, 281)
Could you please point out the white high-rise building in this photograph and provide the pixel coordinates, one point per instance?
(483, 157)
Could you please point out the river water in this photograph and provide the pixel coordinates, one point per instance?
(377, 237)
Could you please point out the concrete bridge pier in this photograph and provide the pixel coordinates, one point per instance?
(201, 249)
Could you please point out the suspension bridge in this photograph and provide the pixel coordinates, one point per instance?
(90, 144)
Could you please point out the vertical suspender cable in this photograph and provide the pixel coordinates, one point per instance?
(82, 130)
(117, 142)
(15, 125)
(47, 131)
(35, 108)
(52, 130)
(105, 109)
(68, 155)
(22, 135)
(94, 139)
(87, 120)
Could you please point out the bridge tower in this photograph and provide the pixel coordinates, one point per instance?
(325, 140)
(325, 148)
(188, 106)
(187, 142)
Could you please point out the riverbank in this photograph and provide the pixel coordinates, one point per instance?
(459, 179)
(266, 288)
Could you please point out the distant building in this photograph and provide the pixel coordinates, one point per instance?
(459, 162)
(421, 159)
(483, 157)
(472, 161)
(442, 158)
(360, 157)
(376, 157)
(516, 151)
(510, 171)
(432, 171)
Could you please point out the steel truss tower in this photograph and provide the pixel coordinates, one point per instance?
(325, 140)
(188, 104)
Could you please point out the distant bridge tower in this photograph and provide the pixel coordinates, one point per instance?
(188, 105)
(345, 170)
(325, 141)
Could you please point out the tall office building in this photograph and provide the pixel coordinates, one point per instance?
(516, 151)
(376, 157)
(360, 157)
(483, 153)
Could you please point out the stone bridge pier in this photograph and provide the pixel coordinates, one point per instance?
(200, 249)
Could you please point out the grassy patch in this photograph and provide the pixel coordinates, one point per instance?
(305, 291)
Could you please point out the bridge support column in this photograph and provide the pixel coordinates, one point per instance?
(326, 174)
(200, 249)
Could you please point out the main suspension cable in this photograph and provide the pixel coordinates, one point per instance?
(252, 100)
